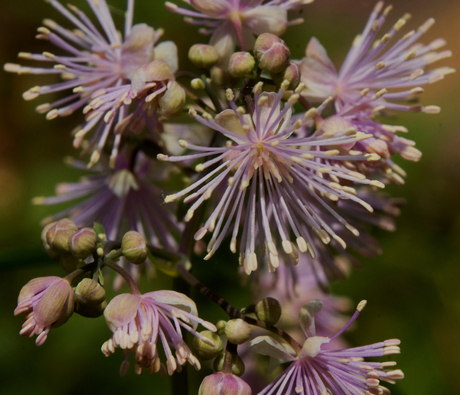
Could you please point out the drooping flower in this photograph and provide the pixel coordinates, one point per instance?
(140, 322)
(47, 302)
(375, 65)
(106, 74)
(275, 183)
(232, 22)
(315, 370)
(121, 199)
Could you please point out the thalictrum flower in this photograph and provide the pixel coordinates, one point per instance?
(275, 184)
(373, 65)
(121, 199)
(47, 302)
(140, 322)
(102, 72)
(315, 370)
(232, 22)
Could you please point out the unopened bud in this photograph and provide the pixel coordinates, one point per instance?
(90, 310)
(268, 310)
(238, 367)
(197, 83)
(89, 291)
(224, 384)
(271, 52)
(221, 325)
(134, 248)
(217, 76)
(173, 101)
(203, 56)
(83, 243)
(69, 262)
(59, 234)
(52, 254)
(237, 331)
(241, 64)
(291, 73)
(206, 351)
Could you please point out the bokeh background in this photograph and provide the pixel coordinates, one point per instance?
(412, 289)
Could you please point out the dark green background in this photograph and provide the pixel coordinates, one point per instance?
(412, 288)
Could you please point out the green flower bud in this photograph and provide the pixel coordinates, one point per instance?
(237, 364)
(241, 64)
(204, 350)
(217, 76)
(59, 234)
(197, 83)
(90, 310)
(224, 384)
(89, 291)
(134, 248)
(237, 331)
(221, 325)
(268, 310)
(203, 56)
(173, 101)
(83, 243)
(291, 74)
(271, 52)
(68, 262)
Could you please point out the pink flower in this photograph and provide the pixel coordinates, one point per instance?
(374, 65)
(315, 370)
(139, 322)
(101, 73)
(47, 302)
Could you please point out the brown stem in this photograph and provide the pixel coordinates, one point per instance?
(127, 277)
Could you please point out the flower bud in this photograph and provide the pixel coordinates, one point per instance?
(221, 325)
(49, 251)
(205, 351)
(218, 76)
(291, 74)
(203, 56)
(237, 331)
(89, 291)
(68, 262)
(268, 310)
(90, 310)
(238, 367)
(173, 101)
(271, 52)
(134, 248)
(83, 243)
(59, 234)
(197, 83)
(224, 384)
(241, 64)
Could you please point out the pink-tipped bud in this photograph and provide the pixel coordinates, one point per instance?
(271, 52)
(206, 351)
(291, 74)
(83, 243)
(203, 56)
(47, 302)
(224, 384)
(52, 254)
(237, 331)
(59, 234)
(134, 248)
(241, 64)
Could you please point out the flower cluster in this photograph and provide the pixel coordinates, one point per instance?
(283, 161)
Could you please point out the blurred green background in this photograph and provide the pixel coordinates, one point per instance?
(412, 288)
